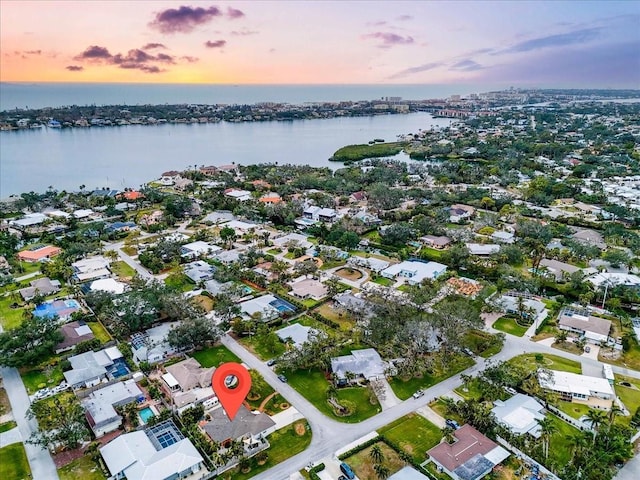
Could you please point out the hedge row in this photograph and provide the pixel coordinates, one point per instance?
(326, 321)
(313, 473)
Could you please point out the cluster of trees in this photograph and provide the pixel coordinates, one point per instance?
(30, 342)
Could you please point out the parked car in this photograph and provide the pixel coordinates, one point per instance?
(342, 477)
(282, 378)
(271, 363)
(468, 352)
(418, 394)
(587, 349)
(452, 423)
(346, 469)
(43, 393)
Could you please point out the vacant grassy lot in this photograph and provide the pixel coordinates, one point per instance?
(122, 270)
(214, 356)
(41, 377)
(362, 464)
(552, 362)
(99, 331)
(313, 386)
(343, 319)
(11, 317)
(81, 469)
(264, 350)
(510, 326)
(285, 443)
(386, 282)
(204, 301)
(14, 464)
(575, 410)
(414, 434)
(630, 396)
(405, 388)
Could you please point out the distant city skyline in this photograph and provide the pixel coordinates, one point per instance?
(540, 43)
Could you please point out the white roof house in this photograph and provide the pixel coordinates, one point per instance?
(594, 391)
(240, 195)
(299, 334)
(99, 405)
(89, 368)
(108, 285)
(482, 249)
(91, 269)
(594, 329)
(297, 237)
(29, 220)
(261, 305)
(614, 279)
(309, 288)
(195, 249)
(366, 363)
(158, 453)
(371, 263)
(520, 414)
(152, 346)
(416, 272)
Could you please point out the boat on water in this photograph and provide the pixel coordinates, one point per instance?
(35, 125)
(54, 124)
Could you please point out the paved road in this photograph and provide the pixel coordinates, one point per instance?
(41, 463)
(117, 247)
(330, 435)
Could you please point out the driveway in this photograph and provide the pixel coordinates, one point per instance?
(41, 463)
(9, 437)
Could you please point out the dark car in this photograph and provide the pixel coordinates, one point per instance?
(342, 477)
(282, 378)
(271, 363)
(452, 423)
(346, 469)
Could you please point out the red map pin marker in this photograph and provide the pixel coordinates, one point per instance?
(231, 391)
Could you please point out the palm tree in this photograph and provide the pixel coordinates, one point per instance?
(596, 418)
(382, 472)
(561, 337)
(547, 427)
(376, 454)
(447, 433)
(615, 410)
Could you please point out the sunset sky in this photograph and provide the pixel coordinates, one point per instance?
(582, 44)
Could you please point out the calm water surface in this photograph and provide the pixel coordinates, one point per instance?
(118, 157)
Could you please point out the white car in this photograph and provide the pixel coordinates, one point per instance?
(418, 394)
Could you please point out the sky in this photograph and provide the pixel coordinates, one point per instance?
(539, 43)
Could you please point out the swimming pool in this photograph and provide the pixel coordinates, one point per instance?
(119, 368)
(282, 305)
(59, 308)
(146, 414)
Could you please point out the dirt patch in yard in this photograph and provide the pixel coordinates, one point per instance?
(349, 273)
(299, 428)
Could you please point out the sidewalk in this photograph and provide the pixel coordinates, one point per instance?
(9, 437)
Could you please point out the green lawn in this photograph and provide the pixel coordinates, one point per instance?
(37, 378)
(509, 325)
(559, 451)
(10, 317)
(285, 443)
(99, 332)
(405, 388)
(259, 390)
(441, 409)
(362, 465)
(552, 362)
(432, 253)
(6, 426)
(81, 469)
(14, 464)
(214, 356)
(414, 434)
(575, 410)
(122, 269)
(179, 281)
(25, 268)
(345, 320)
(313, 386)
(254, 344)
(629, 396)
(386, 282)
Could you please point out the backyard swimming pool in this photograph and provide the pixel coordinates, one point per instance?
(146, 414)
(59, 308)
(282, 305)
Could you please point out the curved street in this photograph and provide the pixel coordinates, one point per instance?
(330, 435)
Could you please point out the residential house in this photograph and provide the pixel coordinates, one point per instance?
(100, 405)
(520, 414)
(460, 213)
(199, 271)
(250, 427)
(365, 363)
(72, 334)
(110, 285)
(169, 178)
(121, 227)
(29, 220)
(415, 271)
(607, 279)
(319, 214)
(90, 368)
(152, 346)
(92, 268)
(531, 308)
(372, 263)
(439, 242)
(196, 249)
(482, 249)
(266, 307)
(298, 238)
(357, 197)
(503, 237)
(306, 288)
(575, 388)
(240, 195)
(408, 473)
(186, 375)
(4, 264)
(39, 253)
(41, 286)
(209, 171)
(590, 237)
(159, 453)
(560, 270)
(470, 457)
(227, 257)
(593, 329)
(270, 198)
(296, 333)
(152, 218)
